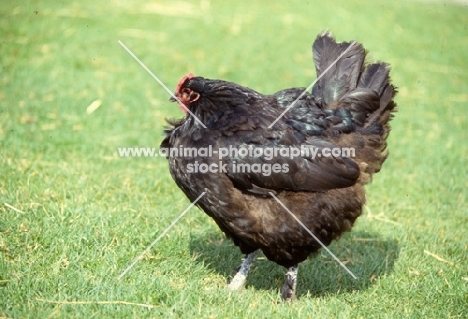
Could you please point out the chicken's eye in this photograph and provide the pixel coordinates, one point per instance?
(186, 92)
(190, 95)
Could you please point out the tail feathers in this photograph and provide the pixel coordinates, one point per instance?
(343, 75)
(360, 102)
(375, 76)
(363, 90)
(383, 114)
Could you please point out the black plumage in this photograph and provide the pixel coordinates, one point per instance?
(350, 106)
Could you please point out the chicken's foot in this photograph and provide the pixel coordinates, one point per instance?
(288, 292)
(240, 277)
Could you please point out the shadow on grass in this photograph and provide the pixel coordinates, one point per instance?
(367, 255)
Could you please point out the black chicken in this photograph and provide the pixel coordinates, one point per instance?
(349, 107)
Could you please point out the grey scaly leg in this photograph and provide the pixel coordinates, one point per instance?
(239, 279)
(288, 292)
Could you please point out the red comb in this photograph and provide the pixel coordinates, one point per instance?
(182, 81)
(179, 87)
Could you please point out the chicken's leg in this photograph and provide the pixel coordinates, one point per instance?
(240, 277)
(288, 292)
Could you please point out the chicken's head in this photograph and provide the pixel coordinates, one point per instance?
(185, 95)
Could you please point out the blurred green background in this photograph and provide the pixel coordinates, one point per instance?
(73, 214)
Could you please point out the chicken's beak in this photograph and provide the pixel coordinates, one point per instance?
(173, 98)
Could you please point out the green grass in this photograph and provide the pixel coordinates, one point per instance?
(82, 214)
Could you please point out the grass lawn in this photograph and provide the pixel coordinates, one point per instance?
(73, 214)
